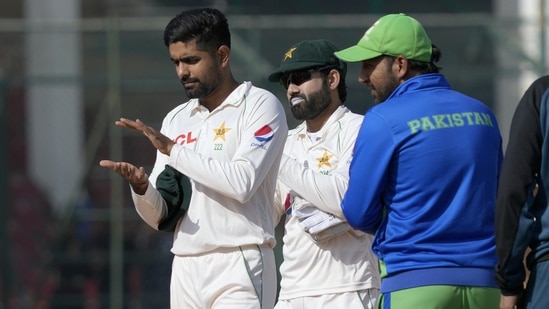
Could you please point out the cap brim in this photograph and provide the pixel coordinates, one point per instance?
(356, 53)
(275, 76)
(295, 66)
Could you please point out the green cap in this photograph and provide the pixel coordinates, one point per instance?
(308, 54)
(393, 35)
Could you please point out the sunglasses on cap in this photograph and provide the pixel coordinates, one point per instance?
(299, 77)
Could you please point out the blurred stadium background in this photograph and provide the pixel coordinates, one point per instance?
(69, 235)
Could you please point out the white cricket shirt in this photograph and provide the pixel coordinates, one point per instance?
(318, 172)
(232, 156)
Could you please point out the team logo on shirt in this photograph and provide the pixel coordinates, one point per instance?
(324, 160)
(263, 135)
(220, 132)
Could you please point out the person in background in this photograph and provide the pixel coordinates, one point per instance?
(522, 216)
(228, 140)
(424, 174)
(326, 264)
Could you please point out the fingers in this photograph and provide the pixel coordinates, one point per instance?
(140, 174)
(121, 168)
(157, 139)
(138, 179)
(126, 170)
(107, 163)
(136, 125)
(139, 126)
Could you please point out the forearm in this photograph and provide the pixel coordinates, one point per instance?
(150, 206)
(323, 191)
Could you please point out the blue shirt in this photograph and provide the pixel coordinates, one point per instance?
(424, 178)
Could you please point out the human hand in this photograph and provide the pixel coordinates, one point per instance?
(319, 224)
(508, 302)
(138, 179)
(159, 140)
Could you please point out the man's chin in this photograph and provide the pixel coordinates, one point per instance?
(190, 94)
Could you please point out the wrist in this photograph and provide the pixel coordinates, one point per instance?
(140, 188)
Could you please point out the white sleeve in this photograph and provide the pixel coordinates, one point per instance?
(240, 177)
(279, 202)
(150, 206)
(323, 191)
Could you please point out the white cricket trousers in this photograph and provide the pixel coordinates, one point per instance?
(363, 299)
(227, 278)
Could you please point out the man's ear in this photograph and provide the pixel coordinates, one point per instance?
(223, 54)
(401, 67)
(334, 77)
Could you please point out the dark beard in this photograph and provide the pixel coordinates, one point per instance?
(386, 90)
(203, 89)
(314, 104)
(388, 87)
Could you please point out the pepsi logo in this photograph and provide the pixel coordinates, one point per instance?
(264, 134)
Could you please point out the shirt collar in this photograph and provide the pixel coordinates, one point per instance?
(235, 98)
(334, 117)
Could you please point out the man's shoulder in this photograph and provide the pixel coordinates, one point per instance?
(257, 98)
(254, 91)
(299, 129)
(538, 87)
(350, 118)
(180, 110)
(542, 80)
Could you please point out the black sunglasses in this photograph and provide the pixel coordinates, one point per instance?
(299, 77)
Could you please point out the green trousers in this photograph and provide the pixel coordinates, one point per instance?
(441, 297)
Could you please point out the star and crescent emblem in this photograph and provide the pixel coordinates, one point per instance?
(324, 160)
(220, 132)
(289, 53)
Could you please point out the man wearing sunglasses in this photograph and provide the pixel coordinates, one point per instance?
(326, 263)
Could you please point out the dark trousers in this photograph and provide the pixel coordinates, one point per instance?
(536, 295)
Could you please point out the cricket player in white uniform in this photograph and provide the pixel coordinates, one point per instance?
(326, 263)
(228, 139)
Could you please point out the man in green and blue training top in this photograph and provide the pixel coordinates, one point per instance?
(424, 174)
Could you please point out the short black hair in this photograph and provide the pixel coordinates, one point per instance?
(208, 26)
(428, 67)
(342, 87)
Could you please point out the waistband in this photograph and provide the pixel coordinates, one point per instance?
(460, 276)
(222, 250)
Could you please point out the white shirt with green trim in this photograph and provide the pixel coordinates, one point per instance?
(316, 170)
(232, 156)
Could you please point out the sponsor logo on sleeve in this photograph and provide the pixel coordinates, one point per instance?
(262, 136)
(288, 204)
